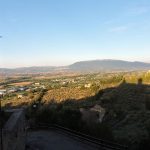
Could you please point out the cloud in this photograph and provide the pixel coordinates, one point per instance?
(118, 29)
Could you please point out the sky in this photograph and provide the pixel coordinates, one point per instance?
(61, 32)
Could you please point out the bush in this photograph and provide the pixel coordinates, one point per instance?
(99, 130)
(70, 118)
(46, 115)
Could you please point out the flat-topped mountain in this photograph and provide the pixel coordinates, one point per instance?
(108, 65)
(83, 66)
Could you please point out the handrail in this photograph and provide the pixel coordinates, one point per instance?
(97, 141)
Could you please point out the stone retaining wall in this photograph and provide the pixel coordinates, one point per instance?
(14, 134)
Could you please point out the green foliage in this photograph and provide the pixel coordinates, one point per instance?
(70, 118)
(146, 77)
(100, 130)
(112, 79)
(46, 115)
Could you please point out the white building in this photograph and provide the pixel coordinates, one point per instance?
(37, 83)
(22, 88)
(2, 92)
(87, 85)
(20, 96)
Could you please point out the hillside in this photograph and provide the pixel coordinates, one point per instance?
(108, 65)
(128, 113)
(122, 99)
(32, 70)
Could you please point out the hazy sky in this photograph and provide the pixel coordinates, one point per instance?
(60, 32)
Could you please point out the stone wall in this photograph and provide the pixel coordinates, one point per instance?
(14, 133)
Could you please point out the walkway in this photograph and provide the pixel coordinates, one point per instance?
(54, 140)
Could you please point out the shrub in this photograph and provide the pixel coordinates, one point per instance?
(70, 118)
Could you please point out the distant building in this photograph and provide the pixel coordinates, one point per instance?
(64, 82)
(12, 90)
(43, 87)
(22, 88)
(37, 83)
(2, 92)
(20, 96)
(87, 85)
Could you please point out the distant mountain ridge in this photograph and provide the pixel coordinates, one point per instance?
(108, 64)
(83, 66)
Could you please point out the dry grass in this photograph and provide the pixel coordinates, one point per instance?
(67, 93)
(17, 102)
(53, 76)
(21, 83)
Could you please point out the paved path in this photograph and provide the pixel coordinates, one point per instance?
(54, 140)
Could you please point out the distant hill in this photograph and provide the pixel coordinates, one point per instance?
(82, 66)
(31, 70)
(108, 65)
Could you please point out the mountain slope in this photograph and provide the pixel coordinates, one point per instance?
(83, 66)
(31, 70)
(104, 65)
